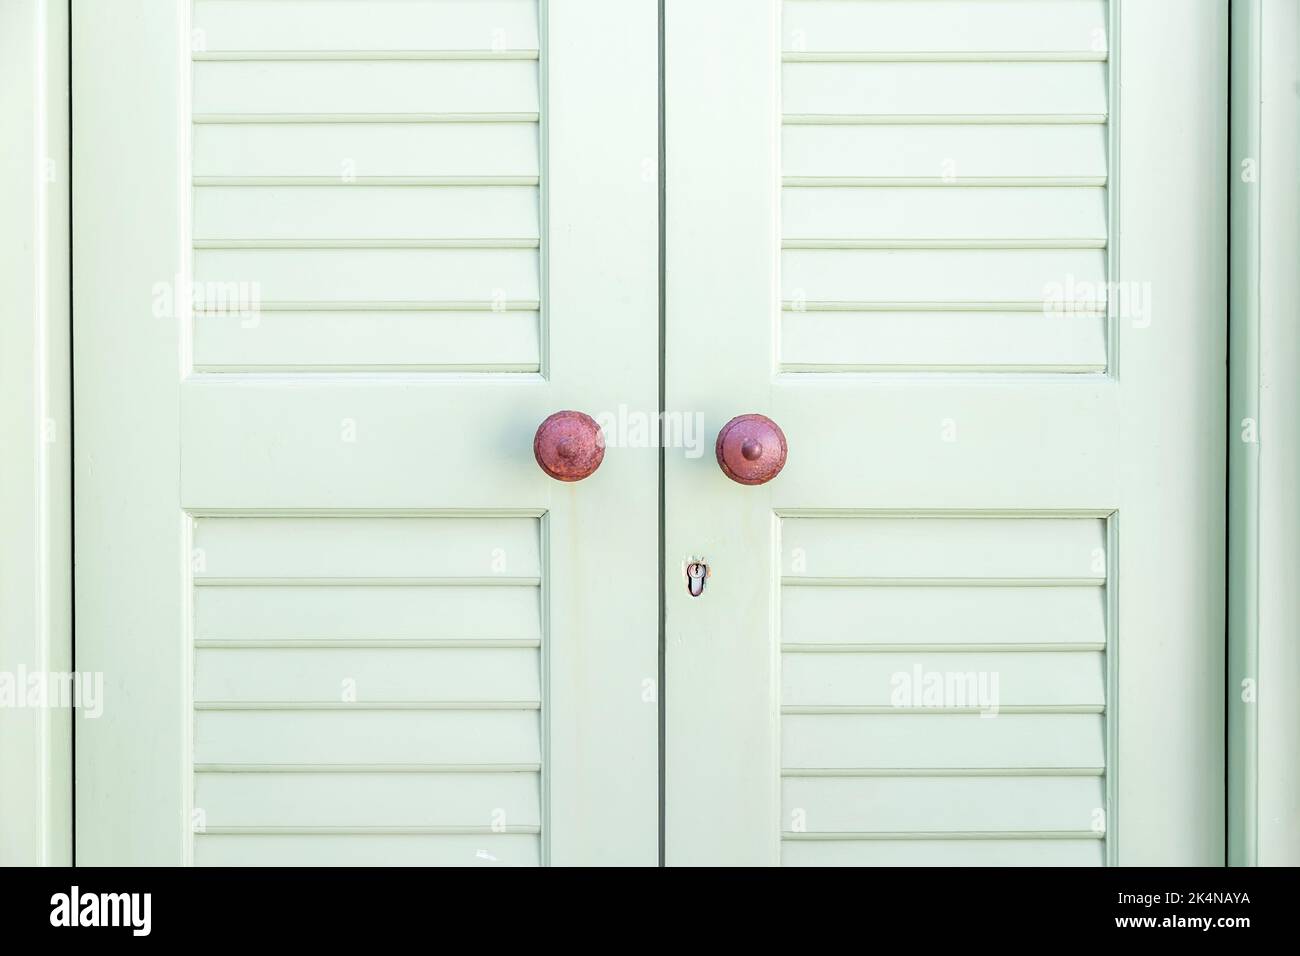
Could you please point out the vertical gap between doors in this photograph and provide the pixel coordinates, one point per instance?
(663, 379)
(1227, 475)
(72, 472)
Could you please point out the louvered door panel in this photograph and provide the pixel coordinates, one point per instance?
(340, 658)
(369, 175)
(944, 169)
(942, 726)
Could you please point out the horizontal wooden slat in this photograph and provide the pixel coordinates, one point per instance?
(367, 676)
(915, 741)
(893, 804)
(375, 736)
(366, 24)
(369, 242)
(377, 799)
(826, 119)
(303, 341)
(363, 849)
(401, 86)
(405, 613)
(891, 276)
(368, 56)
(494, 581)
(921, 341)
(968, 616)
(911, 89)
(935, 547)
(365, 212)
(945, 25)
(384, 275)
(367, 547)
(983, 214)
(366, 149)
(1081, 852)
(952, 680)
(957, 153)
(335, 118)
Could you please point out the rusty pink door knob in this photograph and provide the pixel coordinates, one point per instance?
(569, 445)
(751, 449)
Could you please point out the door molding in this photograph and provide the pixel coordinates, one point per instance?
(1263, 438)
(35, 419)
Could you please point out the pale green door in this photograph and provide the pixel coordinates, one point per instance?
(342, 615)
(334, 262)
(969, 255)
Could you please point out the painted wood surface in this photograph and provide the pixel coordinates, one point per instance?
(978, 482)
(35, 419)
(1264, 459)
(343, 615)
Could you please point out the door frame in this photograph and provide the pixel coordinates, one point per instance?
(36, 422)
(1263, 561)
(36, 552)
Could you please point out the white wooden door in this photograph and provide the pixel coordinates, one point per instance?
(969, 255)
(341, 614)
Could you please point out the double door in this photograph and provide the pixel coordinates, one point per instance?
(335, 262)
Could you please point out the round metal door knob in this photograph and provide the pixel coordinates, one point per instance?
(751, 449)
(569, 446)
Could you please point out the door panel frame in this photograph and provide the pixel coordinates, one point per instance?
(130, 523)
(720, 261)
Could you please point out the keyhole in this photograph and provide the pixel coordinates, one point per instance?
(696, 572)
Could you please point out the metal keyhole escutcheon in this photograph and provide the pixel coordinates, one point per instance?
(696, 572)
